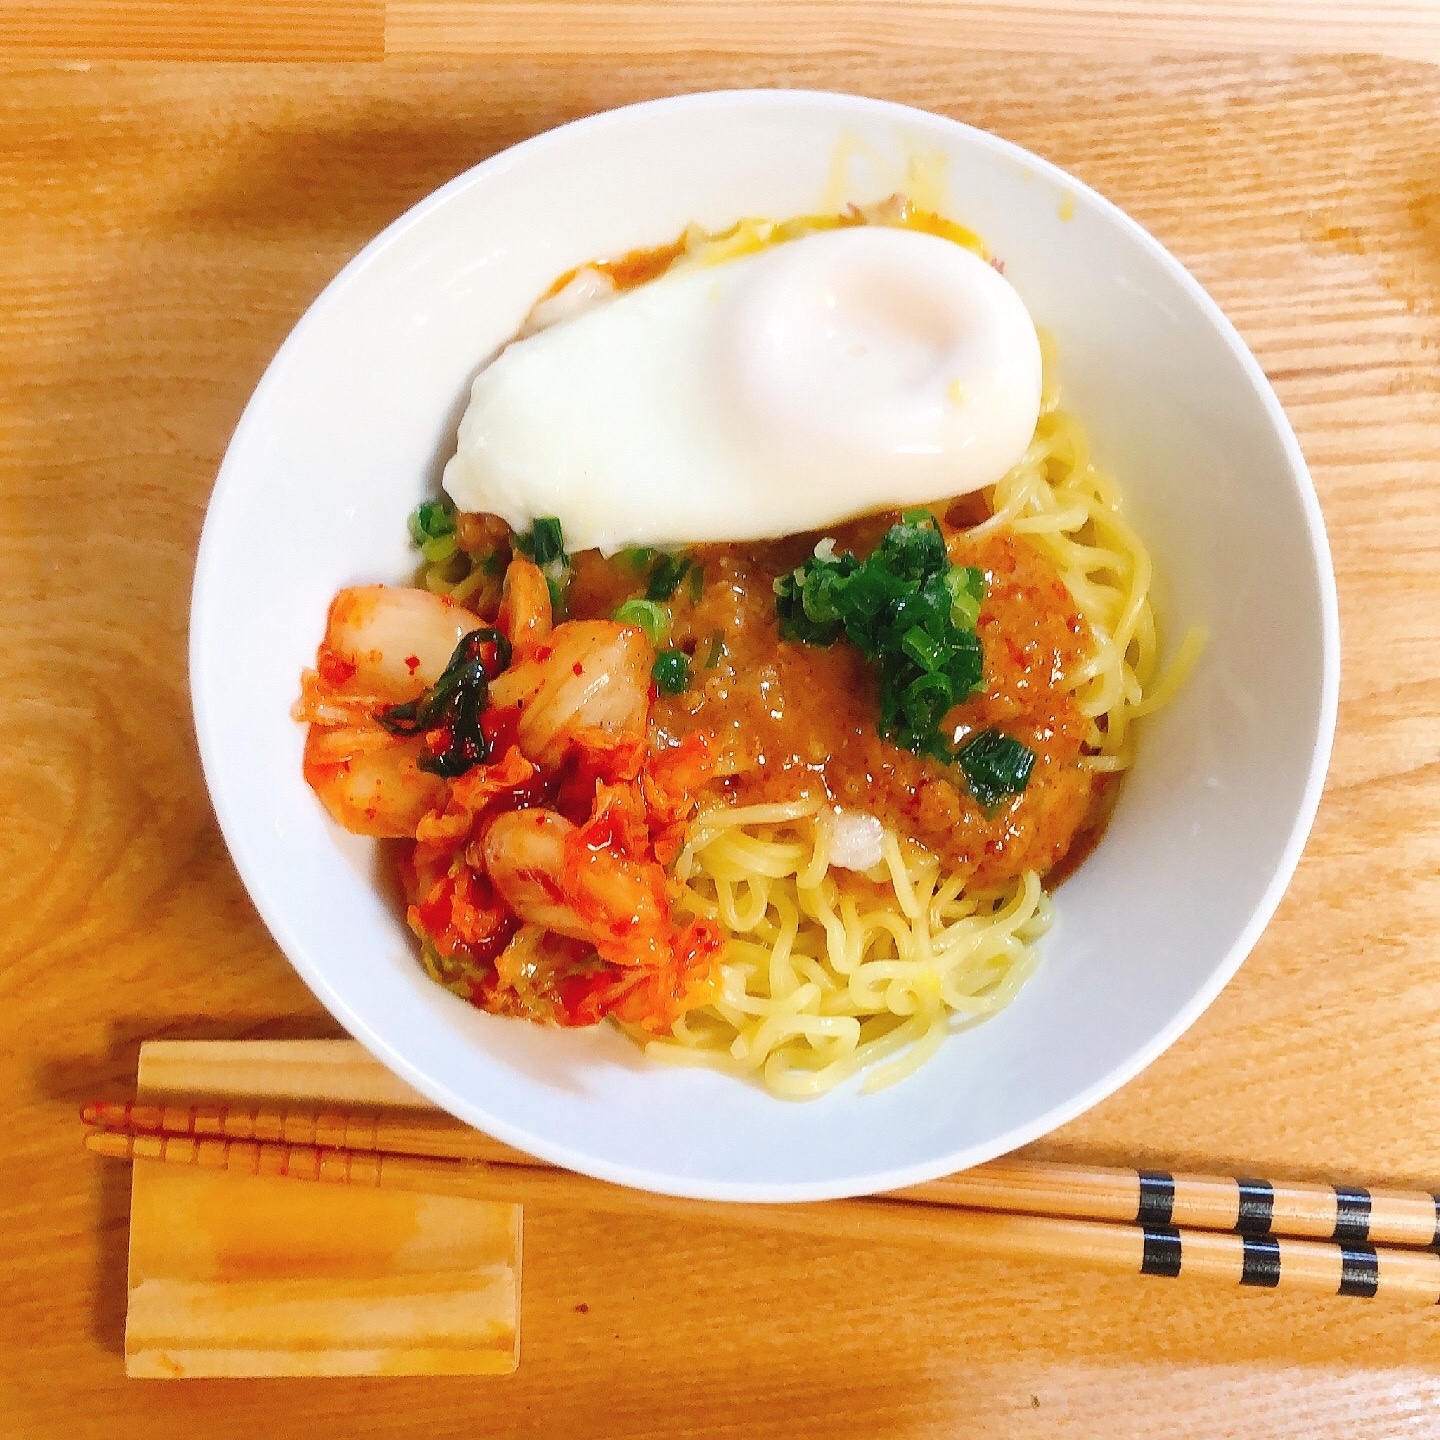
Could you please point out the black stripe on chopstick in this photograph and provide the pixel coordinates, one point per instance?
(1435, 1238)
(1161, 1255)
(1157, 1198)
(1257, 1207)
(1359, 1271)
(1352, 1216)
(1260, 1261)
(1164, 1247)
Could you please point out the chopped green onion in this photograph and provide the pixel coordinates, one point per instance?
(928, 654)
(432, 528)
(637, 557)
(805, 599)
(671, 671)
(966, 584)
(717, 650)
(441, 578)
(652, 618)
(494, 564)
(995, 765)
(916, 549)
(543, 542)
(697, 584)
(665, 578)
(558, 586)
(908, 610)
(432, 520)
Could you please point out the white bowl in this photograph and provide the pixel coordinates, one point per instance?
(357, 413)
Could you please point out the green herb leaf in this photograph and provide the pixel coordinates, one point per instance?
(652, 618)
(716, 652)
(665, 578)
(697, 584)
(995, 765)
(671, 671)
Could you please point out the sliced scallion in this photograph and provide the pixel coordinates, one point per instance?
(652, 618)
(995, 765)
(671, 671)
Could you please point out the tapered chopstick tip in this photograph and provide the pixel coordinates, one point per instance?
(115, 1113)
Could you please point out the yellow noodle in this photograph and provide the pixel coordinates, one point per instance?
(1169, 684)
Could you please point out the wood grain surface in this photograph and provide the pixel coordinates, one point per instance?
(161, 228)
(943, 30)
(259, 30)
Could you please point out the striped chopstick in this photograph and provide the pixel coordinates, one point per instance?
(1153, 1198)
(1402, 1276)
(1349, 1215)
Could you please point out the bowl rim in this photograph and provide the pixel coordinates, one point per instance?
(228, 480)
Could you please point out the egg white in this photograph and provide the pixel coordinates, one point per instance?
(827, 377)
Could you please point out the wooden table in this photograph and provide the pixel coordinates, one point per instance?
(161, 228)
(950, 30)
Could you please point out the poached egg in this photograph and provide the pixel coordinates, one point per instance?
(827, 377)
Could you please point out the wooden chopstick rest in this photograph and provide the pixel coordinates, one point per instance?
(233, 1276)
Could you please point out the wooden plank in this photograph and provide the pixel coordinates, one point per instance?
(338, 1070)
(943, 31)
(264, 30)
(270, 30)
(160, 230)
(234, 1275)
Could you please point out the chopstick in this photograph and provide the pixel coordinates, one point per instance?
(1346, 1215)
(395, 1132)
(1295, 1265)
